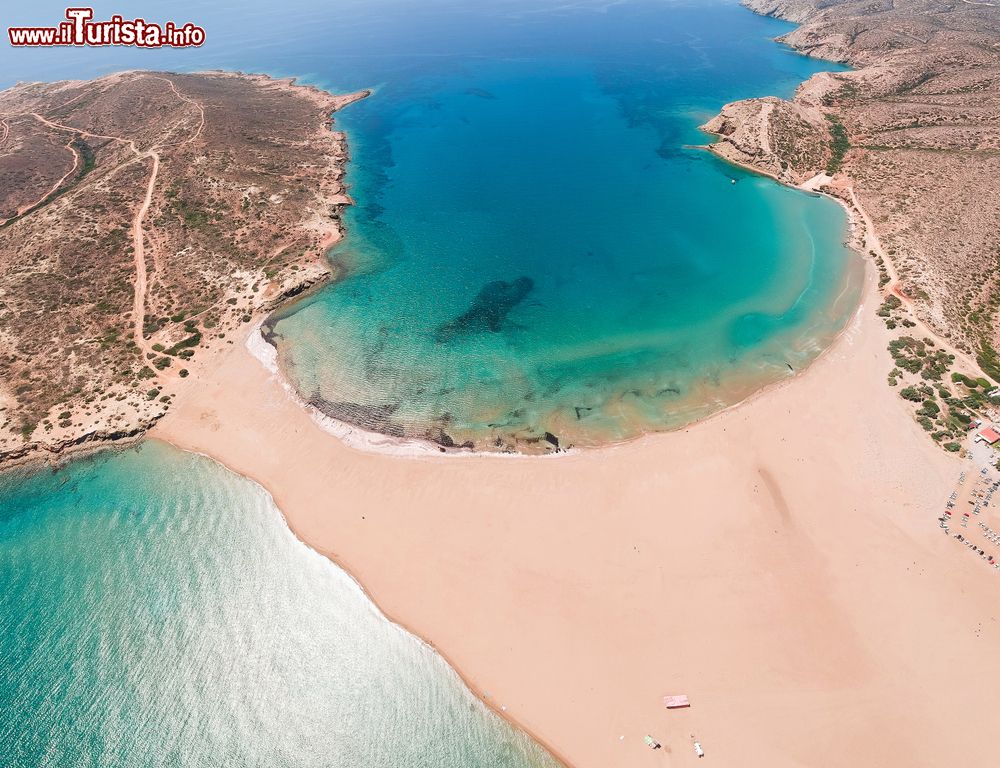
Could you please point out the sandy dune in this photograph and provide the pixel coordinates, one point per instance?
(780, 563)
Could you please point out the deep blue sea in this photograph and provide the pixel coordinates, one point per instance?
(535, 248)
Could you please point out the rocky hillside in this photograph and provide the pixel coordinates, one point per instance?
(913, 130)
(143, 217)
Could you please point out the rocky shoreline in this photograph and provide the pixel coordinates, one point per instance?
(909, 134)
(253, 241)
(909, 198)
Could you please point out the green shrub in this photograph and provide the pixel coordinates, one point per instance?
(839, 144)
(989, 361)
(930, 408)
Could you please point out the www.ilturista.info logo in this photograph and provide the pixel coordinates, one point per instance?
(79, 29)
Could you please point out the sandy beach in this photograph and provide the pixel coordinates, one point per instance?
(807, 566)
(780, 563)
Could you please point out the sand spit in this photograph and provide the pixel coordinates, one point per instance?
(780, 563)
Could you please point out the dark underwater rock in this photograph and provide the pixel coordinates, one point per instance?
(377, 418)
(489, 309)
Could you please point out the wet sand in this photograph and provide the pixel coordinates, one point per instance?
(780, 563)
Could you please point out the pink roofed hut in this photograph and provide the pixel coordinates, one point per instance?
(990, 435)
(676, 702)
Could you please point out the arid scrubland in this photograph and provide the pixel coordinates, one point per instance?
(915, 128)
(143, 217)
(910, 139)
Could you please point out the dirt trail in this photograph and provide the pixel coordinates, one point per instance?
(28, 206)
(139, 298)
(76, 164)
(61, 127)
(196, 104)
(765, 127)
(138, 235)
(138, 247)
(895, 287)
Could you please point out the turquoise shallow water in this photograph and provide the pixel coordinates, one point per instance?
(535, 248)
(156, 611)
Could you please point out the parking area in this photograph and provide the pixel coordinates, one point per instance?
(970, 513)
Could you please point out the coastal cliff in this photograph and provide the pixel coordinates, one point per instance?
(911, 135)
(145, 217)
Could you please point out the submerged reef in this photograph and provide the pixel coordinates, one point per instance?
(489, 309)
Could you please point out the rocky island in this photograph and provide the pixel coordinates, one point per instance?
(143, 218)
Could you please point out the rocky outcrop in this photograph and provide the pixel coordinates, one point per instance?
(822, 42)
(791, 10)
(145, 219)
(41, 450)
(911, 133)
(786, 140)
(298, 285)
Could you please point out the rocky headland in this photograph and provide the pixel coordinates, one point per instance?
(145, 218)
(909, 141)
